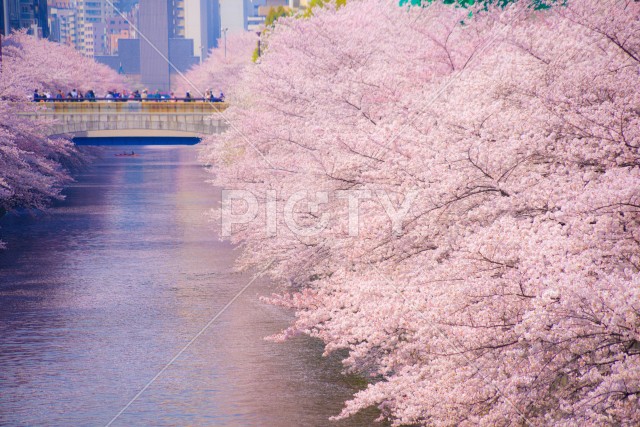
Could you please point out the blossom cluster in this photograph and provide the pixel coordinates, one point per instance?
(223, 67)
(34, 166)
(511, 294)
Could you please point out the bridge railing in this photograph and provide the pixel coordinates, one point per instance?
(152, 98)
(132, 106)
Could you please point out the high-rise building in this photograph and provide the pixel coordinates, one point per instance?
(90, 24)
(232, 15)
(114, 39)
(41, 17)
(4, 17)
(30, 14)
(154, 54)
(154, 44)
(177, 18)
(202, 25)
(13, 15)
(119, 28)
(214, 30)
(62, 4)
(62, 25)
(95, 39)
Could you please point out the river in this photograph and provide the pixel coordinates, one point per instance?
(98, 294)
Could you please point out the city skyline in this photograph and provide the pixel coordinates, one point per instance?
(112, 32)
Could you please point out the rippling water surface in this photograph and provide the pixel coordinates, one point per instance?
(101, 292)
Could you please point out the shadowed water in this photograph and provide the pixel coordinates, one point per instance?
(101, 292)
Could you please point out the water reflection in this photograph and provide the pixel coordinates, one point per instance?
(97, 295)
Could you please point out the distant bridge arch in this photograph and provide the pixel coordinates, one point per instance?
(134, 118)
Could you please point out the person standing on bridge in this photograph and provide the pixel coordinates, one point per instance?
(220, 98)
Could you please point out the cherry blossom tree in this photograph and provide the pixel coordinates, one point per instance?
(510, 295)
(34, 166)
(223, 67)
(30, 63)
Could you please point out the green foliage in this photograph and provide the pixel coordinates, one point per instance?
(275, 13)
(539, 4)
(321, 3)
(255, 55)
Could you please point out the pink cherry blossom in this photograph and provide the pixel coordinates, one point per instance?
(223, 67)
(512, 294)
(34, 166)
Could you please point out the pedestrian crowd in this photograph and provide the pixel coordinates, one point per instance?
(122, 96)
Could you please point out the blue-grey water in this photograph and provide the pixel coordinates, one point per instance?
(98, 294)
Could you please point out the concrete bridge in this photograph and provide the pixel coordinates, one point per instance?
(134, 118)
